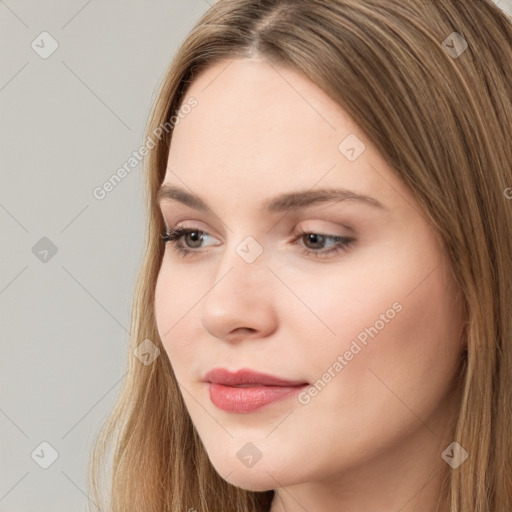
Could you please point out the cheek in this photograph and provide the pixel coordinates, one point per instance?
(422, 349)
(391, 316)
(176, 303)
(394, 382)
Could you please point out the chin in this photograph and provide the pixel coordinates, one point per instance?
(250, 479)
(252, 482)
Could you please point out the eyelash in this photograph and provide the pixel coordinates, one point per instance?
(174, 237)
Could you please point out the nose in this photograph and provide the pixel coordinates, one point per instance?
(240, 301)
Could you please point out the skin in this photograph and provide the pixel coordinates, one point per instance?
(371, 439)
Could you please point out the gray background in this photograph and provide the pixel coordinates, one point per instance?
(67, 123)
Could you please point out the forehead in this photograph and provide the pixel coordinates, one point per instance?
(253, 101)
(259, 129)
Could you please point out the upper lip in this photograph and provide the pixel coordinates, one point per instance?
(247, 376)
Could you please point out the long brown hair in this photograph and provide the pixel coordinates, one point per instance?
(441, 116)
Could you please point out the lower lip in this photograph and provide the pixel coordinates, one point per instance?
(250, 398)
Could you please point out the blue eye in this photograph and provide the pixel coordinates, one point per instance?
(177, 235)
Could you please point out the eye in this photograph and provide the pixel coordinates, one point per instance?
(176, 235)
(341, 243)
(180, 237)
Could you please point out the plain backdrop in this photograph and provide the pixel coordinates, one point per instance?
(77, 80)
(67, 123)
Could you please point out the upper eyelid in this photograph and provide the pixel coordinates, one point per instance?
(175, 207)
(301, 232)
(177, 223)
(186, 229)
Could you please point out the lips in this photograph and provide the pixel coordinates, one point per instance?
(245, 390)
(246, 377)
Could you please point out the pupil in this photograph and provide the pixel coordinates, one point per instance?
(194, 235)
(315, 239)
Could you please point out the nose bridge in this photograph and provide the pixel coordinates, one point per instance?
(239, 296)
(243, 264)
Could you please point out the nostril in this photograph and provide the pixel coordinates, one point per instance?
(243, 330)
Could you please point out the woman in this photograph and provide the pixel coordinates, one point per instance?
(325, 297)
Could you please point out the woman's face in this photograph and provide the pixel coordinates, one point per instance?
(370, 321)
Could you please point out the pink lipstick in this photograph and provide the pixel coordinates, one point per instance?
(246, 390)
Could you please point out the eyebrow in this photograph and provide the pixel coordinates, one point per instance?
(281, 203)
